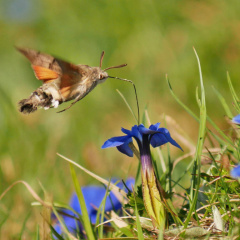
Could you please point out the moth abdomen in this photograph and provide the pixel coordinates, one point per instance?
(26, 106)
(38, 99)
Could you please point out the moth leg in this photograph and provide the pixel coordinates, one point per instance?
(81, 96)
(76, 100)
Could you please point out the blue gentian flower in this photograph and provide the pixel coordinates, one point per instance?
(235, 173)
(145, 137)
(236, 119)
(93, 196)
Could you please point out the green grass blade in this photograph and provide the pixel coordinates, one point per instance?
(173, 212)
(139, 228)
(145, 115)
(113, 187)
(223, 102)
(62, 223)
(59, 237)
(138, 180)
(102, 210)
(201, 136)
(234, 95)
(85, 217)
(130, 109)
(4, 219)
(180, 102)
(196, 118)
(24, 225)
(221, 133)
(37, 233)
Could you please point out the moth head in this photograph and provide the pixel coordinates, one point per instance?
(103, 74)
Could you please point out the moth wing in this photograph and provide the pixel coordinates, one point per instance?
(46, 67)
(44, 74)
(72, 82)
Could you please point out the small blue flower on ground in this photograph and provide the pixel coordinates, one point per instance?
(235, 173)
(236, 119)
(93, 196)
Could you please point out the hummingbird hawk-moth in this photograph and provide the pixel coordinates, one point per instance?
(62, 81)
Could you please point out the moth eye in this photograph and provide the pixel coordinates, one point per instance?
(101, 76)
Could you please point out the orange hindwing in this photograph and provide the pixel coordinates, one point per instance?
(44, 74)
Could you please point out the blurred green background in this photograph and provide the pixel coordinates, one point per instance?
(152, 37)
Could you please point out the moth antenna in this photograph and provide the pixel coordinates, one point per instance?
(118, 66)
(126, 80)
(101, 58)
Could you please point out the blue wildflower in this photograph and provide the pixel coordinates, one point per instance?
(145, 137)
(236, 119)
(235, 173)
(93, 196)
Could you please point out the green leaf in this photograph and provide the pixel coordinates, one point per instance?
(86, 221)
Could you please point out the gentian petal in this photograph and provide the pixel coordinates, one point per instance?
(235, 173)
(136, 134)
(125, 149)
(144, 130)
(126, 131)
(116, 141)
(163, 136)
(154, 126)
(236, 119)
